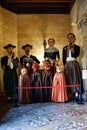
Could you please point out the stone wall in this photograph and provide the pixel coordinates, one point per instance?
(33, 29)
(36, 28)
(79, 20)
(8, 34)
(9, 29)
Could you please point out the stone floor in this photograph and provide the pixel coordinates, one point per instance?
(46, 116)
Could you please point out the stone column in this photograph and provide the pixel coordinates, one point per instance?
(82, 27)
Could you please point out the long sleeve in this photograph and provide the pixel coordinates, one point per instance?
(64, 55)
(76, 51)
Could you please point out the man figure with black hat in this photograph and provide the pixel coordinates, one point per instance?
(27, 60)
(9, 64)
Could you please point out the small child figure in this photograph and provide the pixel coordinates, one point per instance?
(47, 81)
(36, 93)
(59, 90)
(24, 81)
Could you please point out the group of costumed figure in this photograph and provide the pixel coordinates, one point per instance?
(42, 85)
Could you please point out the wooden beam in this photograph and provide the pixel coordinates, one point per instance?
(38, 6)
(20, 1)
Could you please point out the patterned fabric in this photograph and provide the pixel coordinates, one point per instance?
(51, 53)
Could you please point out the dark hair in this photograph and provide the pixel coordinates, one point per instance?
(71, 34)
(51, 39)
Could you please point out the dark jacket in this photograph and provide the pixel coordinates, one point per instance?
(75, 54)
(4, 62)
(31, 56)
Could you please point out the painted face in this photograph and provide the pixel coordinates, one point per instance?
(60, 68)
(10, 50)
(27, 49)
(51, 43)
(71, 38)
(35, 66)
(24, 71)
(47, 65)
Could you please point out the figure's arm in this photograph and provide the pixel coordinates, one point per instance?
(64, 55)
(21, 61)
(3, 63)
(76, 51)
(35, 59)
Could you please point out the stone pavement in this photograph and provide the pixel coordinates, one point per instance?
(46, 116)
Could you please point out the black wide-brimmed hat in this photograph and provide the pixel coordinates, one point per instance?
(26, 45)
(9, 45)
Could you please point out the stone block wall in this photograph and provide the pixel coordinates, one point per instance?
(8, 29)
(36, 28)
(79, 18)
(8, 34)
(33, 29)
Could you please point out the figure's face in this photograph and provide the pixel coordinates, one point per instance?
(10, 50)
(27, 50)
(35, 67)
(71, 39)
(60, 68)
(51, 43)
(24, 71)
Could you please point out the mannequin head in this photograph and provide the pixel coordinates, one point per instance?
(60, 68)
(27, 48)
(46, 65)
(35, 66)
(51, 42)
(24, 71)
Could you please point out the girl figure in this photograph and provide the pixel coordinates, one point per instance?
(24, 81)
(36, 92)
(59, 90)
(47, 81)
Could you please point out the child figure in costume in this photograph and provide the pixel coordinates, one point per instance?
(36, 92)
(24, 83)
(47, 81)
(59, 90)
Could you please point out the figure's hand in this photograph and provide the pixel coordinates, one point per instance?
(3, 67)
